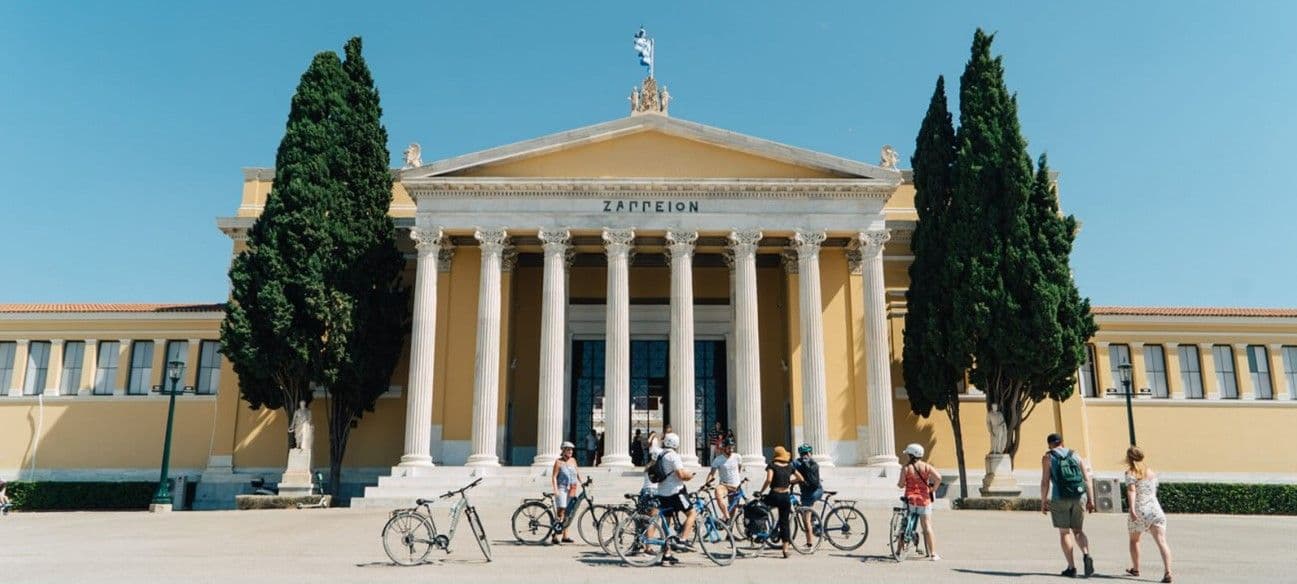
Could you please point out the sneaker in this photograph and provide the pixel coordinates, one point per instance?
(934, 558)
(1089, 566)
(1068, 573)
(669, 561)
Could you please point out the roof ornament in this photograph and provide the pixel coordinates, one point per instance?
(889, 157)
(647, 99)
(413, 156)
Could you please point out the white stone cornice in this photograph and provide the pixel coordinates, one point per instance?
(598, 188)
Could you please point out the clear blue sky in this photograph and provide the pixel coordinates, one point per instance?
(123, 125)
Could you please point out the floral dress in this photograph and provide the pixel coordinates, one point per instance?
(1148, 512)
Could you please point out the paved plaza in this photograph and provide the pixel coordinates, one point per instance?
(343, 546)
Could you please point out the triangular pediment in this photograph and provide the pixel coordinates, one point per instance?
(650, 146)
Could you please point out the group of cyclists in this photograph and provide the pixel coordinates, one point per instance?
(666, 476)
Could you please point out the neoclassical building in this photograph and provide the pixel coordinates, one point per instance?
(619, 278)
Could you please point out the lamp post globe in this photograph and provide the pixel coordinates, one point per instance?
(162, 496)
(1124, 370)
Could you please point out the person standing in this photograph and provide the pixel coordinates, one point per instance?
(729, 466)
(716, 439)
(592, 448)
(1069, 476)
(564, 478)
(598, 457)
(920, 481)
(672, 496)
(780, 478)
(811, 488)
(1145, 511)
(637, 449)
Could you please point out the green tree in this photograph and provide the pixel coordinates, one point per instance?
(284, 318)
(371, 275)
(932, 371)
(1017, 314)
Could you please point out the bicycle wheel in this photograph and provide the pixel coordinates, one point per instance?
(716, 540)
(898, 540)
(407, 538)
(846, 528)
(479, 532)
(608, 526)
(639, 540)
(798, 531)
(587, 523)
(533, 522)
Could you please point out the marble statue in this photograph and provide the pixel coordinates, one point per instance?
(889, 158)
(301, 427)
(634, 99)
(413, 156)
(666, 99)
(998, 429)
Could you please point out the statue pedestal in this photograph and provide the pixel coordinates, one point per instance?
(297, 477)
(999, 481)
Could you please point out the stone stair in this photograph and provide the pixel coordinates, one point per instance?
(871, 487)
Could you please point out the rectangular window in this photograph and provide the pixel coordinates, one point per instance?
(1258, 367)
(1190, 372)
(176, 351)
(106, 367)
(38, 367)
(7, 350)
(1155, 368)
(1225, 380)
(1118, 354)
(1289, 369)
(74, 353)
(1087, 374)
(209, 367)
(141, 368)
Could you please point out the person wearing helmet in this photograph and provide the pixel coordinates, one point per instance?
(920, 481)
(672, 496)
(564, 478)
(730, 468)
(811, 488)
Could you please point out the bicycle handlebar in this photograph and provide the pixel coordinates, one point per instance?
(449, 494)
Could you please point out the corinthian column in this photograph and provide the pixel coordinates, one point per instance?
(747, 354)
(814, 400)
(549, 403)
(486, 383)
(882, 436)
(423, 336)
(616, 388)
(680, 245)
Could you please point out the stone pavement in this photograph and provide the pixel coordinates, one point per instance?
(342, 545)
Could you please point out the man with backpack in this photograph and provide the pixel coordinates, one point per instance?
(812, 489)
(1069, 475)
(669, 472)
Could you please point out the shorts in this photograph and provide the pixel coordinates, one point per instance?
(812, 497)
(1067, 513)
(673, 503)
(920, 510)
(561, 498)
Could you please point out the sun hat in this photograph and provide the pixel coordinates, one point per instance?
(781, 454)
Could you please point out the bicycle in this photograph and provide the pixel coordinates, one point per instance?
(318, 488)
(410, 534)
(737, 499)
(612, 515)
(903, 537)
(839, 522)
(642, 537)
(535, 520)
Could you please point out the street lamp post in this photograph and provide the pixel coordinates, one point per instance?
(1124, 370)
(162, 496)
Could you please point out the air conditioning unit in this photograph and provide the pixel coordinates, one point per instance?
(1107, 495)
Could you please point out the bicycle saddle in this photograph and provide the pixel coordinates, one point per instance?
(423, 501)
(632, 497)
(830, 493)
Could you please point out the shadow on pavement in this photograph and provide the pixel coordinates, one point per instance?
(1008, 574)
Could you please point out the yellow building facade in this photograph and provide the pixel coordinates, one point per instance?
(623, 277)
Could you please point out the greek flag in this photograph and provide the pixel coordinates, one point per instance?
(644, 47)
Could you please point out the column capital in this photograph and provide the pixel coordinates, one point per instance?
(788, 259)
(445, 254)
(56, 343)
(555, 240)
(1206, 346)
(21, 342)
(807, 243)
(618, 241)
(872, 241)
(426, 239)
(745, 241)
(1136, 345)
(855, 259)
(1274, 347)
(491, 240)
(681, 242)
(508, 258)
(1239, 346)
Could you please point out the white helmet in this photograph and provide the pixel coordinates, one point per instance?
(567, 444)
(914, 450)
(671, 440)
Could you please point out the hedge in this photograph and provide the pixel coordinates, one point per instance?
(69, 496)
(1216, 498)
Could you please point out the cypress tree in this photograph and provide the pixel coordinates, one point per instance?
(932, 373)
(1017, 314)
(372, 264)
(283, 313)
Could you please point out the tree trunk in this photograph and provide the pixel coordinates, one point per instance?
(952, 411)
(339, 433)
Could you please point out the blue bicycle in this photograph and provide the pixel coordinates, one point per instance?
(903, 537)
(642, 537)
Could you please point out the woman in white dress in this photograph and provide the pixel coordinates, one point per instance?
(1145, 512)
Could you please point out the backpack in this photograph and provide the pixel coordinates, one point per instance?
(657, 472)
(810, 471)
(756, 516)
(1067, 474)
